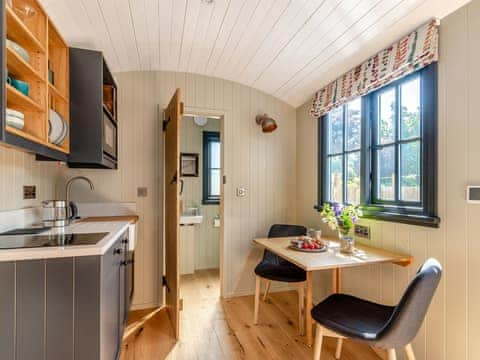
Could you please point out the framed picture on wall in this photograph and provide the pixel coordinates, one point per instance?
(189, 164)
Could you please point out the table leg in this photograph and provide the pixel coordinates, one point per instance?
(308, 309)
(336, 280)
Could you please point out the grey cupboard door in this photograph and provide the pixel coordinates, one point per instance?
(87, 307)
(59, 336)
(7, 310)
(30, 311)
(110, 302)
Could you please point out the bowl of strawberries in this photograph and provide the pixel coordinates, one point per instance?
(307, 244)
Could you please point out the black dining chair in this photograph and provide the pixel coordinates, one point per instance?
(387, 327)
(275, 268)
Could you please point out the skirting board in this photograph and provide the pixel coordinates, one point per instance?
(276, 287)
(145, 306)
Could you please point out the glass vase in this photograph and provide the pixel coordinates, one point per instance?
(347, 241)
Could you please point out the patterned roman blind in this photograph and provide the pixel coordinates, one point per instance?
(414, 51)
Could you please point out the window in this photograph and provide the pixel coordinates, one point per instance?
(380, 151)
(211, 167)
(343, 152)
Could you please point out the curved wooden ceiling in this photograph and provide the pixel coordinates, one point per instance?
(287, 48)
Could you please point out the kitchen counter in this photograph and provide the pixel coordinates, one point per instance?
(115, 227)
(132, 219)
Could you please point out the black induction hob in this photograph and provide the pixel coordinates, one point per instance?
(34, 241)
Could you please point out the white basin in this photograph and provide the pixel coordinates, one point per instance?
(190, 219)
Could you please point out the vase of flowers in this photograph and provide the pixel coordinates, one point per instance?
(342, 218)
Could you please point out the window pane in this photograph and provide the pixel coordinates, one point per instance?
(215, 155)
(386, 121)
(335, 131)
(335, 169)
(353, 178)
(386, 173)
(410, 94)
(214, 183)
(410, 171)
(353, 118)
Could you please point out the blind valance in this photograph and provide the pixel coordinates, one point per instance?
(414, 51)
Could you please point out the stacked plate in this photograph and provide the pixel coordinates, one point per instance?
(57, 128)
(18, 49)
(15, 118)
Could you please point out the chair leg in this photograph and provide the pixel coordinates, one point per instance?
(258, 283)
(317, 350)
(338, 351)
(392, 355)
(301, 308)
(267, 288)
(409, 352)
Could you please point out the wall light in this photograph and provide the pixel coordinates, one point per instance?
(267, 123)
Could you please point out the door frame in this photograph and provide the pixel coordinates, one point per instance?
(223, 114)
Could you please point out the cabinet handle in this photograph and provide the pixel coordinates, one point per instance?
(117, 251)
(125, 241)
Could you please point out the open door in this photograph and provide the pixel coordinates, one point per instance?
(171, 126)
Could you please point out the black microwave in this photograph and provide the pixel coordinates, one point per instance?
(110, 146)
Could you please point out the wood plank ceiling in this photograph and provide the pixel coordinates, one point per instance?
(287, 48)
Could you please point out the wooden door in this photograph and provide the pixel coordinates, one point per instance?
(173, 116)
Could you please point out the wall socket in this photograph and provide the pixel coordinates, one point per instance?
(29, 192)
(362, 231)
(142, 192)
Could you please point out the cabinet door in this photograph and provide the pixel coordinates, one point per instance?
(110, 314)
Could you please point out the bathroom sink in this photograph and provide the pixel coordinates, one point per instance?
(190, 219)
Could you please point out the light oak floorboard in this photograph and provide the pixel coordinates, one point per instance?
(211, 328)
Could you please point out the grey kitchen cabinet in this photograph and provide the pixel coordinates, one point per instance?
(70, 308)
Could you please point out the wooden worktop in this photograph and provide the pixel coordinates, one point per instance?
(133, 219)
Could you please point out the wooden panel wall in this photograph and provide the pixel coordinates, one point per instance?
(452, 327)
(17, 169)
(207, 238)
(262, 163)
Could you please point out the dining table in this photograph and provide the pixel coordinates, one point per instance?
(333, 259)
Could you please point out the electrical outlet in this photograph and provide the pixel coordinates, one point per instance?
(362, 231)
(29, 192)
(142, 192)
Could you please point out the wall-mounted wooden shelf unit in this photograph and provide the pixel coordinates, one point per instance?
(46, 50)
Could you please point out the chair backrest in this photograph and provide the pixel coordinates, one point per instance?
(282, 230)
(408, 315)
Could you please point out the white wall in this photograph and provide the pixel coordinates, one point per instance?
(207, 237)
(262, 163)
(452, 327)
(18, 169)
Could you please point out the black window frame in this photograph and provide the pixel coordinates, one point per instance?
(207, 197)
(423, 213)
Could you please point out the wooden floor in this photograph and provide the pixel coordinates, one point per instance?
(215, 329)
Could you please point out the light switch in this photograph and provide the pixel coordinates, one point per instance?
(142, 192)
(241, 192)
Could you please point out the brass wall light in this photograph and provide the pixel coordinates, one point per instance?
(267, 123)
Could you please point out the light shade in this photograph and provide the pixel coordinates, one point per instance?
(267, 123)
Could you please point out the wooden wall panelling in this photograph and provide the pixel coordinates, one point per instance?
(451, 326)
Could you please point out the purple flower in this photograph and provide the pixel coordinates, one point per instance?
(354, 219)
(337, 208)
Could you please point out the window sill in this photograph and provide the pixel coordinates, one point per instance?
(210, 202)
(410, 219)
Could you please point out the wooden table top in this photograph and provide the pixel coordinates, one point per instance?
(332, 258)
(133, 219)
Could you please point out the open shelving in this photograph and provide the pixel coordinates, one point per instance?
(46, 51)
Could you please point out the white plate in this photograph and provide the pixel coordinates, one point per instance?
(19, 50)
(56, 125)
(15, 122)
(62, 137)
(15, 113)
